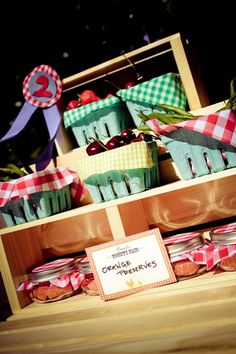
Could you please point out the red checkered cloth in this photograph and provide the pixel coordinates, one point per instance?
(75, 279)
(208, 255)
(224, 229)
(51, 179)
(220, 126)
(213, 254)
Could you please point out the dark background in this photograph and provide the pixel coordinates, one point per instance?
(72, 35)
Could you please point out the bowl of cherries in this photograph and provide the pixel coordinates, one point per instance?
(126, 137)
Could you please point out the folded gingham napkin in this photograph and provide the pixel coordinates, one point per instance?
(220, 126)
(132, 156)
(73, 115)
(167, 89)
(51, 179)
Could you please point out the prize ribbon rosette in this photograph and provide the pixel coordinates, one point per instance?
(41, 89)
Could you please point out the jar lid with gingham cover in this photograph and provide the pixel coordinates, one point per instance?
(53, 270)
(182, 243)
(224, 235)
(165, 89)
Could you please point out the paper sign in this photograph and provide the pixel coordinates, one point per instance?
(135, 263)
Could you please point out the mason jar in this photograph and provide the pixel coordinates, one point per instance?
(224, 240)
(181, 249)
(88, 284)
(54, 280)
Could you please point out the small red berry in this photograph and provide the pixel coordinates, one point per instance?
(72, 104)
(88, 96)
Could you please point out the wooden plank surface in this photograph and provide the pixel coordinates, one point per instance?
(193, 316)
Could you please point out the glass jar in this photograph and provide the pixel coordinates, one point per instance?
(224, 240)
(53, 281)
(88, 284)
(181, 249)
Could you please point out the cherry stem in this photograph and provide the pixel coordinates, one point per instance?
(112, 83)
(99, 142)
(139, 77)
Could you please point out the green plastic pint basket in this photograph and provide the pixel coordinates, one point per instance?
(165, 89)
(38, 205)
(120, 172)
(100, 120)
(196, 154)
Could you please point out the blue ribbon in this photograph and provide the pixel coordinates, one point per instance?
(52, 120)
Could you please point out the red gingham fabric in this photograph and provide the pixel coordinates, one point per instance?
(74, 278)
(220, 126)
(53, 265)
(51, 179)
(180, 238)
(208, 255)
(212, 254)
(224, 229)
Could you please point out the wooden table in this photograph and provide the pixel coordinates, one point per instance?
(197, 315)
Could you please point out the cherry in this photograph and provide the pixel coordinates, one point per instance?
(130, 84)
(127, 135)
(95, 147)
(114, 142)
(144, 137)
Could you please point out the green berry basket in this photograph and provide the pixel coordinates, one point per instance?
(167, 89)
(39, 205)
(120, 172)
(100, 120)
(196, 154)
(39, 195)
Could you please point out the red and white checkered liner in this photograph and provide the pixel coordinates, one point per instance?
(220, 126)
(52, 179)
